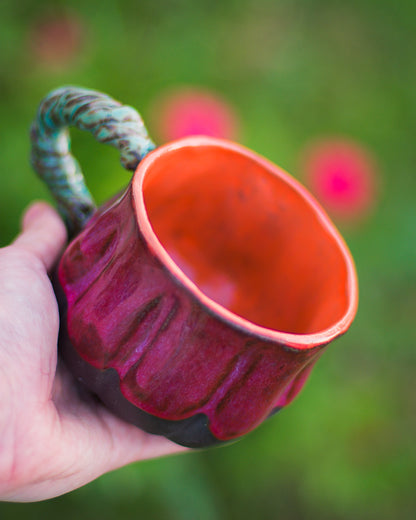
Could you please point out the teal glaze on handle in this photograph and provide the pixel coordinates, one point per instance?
(108, 120)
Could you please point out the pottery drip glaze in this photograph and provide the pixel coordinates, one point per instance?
(173, 358)
(195, 303)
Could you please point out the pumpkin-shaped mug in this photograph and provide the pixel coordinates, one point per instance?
(195, 303)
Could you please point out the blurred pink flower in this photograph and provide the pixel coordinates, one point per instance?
(56, 39)
(193, 111)
(342, 175)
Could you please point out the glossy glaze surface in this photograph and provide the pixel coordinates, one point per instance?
(247, 238)
(210, 286)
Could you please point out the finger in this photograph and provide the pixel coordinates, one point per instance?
(43, 233)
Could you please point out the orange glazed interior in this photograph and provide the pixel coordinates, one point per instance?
(249, 237)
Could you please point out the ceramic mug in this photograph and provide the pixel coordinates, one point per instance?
(194, 303)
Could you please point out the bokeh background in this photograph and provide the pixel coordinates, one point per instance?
(290, 73)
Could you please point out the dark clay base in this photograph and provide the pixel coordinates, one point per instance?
(192, 432)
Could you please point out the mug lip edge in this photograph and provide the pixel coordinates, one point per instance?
(296, 341)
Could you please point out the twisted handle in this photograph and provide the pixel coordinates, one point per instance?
(108, 120)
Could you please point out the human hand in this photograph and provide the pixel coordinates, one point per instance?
(54, 437)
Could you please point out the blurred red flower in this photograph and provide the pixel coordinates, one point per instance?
(56, 39)
(187, 111)
(341, 174)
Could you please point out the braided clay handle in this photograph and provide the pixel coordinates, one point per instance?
(108, 120)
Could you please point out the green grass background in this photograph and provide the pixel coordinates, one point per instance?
(293, 70)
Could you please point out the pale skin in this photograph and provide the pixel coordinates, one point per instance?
(54, 436)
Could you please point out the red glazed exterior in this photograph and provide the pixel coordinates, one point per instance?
(177, 352)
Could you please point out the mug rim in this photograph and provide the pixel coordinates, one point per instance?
(291, 340)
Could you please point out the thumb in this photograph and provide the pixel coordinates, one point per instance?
(43, 233)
